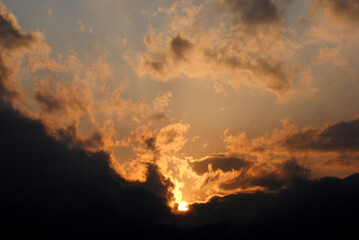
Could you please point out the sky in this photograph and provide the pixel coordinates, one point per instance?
(204, 103)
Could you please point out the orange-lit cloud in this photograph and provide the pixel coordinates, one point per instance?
(13, 41)
(233, 45)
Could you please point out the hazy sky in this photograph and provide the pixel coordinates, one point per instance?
(219, 94)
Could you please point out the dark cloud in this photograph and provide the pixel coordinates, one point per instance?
(48, 102)
(158, 65)
(222, 162)
(180, 46)
(340, 137)
(51, 190)
(342, 161)
(12, 38)
(344, 10)
(269, 73)
(70, 136)
(254, 12)
(157, 183)
(290, 172)
(273, 75)
(150, 143)
(170, 136)
(160, 116)
(287, 173)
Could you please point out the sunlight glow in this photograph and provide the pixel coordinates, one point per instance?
(183, 206)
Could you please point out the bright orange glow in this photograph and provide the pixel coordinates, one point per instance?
(183, 206)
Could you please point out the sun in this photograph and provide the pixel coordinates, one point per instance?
(183, 207)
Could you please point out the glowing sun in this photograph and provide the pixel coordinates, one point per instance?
(183, 206)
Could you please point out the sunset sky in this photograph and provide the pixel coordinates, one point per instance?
(205, 82)
(218, 96)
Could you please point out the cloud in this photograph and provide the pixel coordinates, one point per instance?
(342, 161)
(180, 47)
(158, 184)
(223, 162)
(345, 11)
(162, 101)
(160, 116)
(171, 138)
(159, 62)
(333, 147)
(71, 137)
(269, 73)
(55, 182)
(71, 96)
(48, 102)
(339, 137)
(51, 190)
(11, 36)
(12, 39)
(249, 49)
(285, 174)
(67, 190)
(254, 12)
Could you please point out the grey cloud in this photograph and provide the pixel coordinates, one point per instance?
(222, 162)
(70, 136)
(277, 81)
(150, 143)
(157, 66)
(269, 73)
(160, 116)
(345, 10)
(180, 46)
(342, 161)
(170, 136)
(286, 174)
(340, 137)
(48, 102)
(254, 12)
(11, 38)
